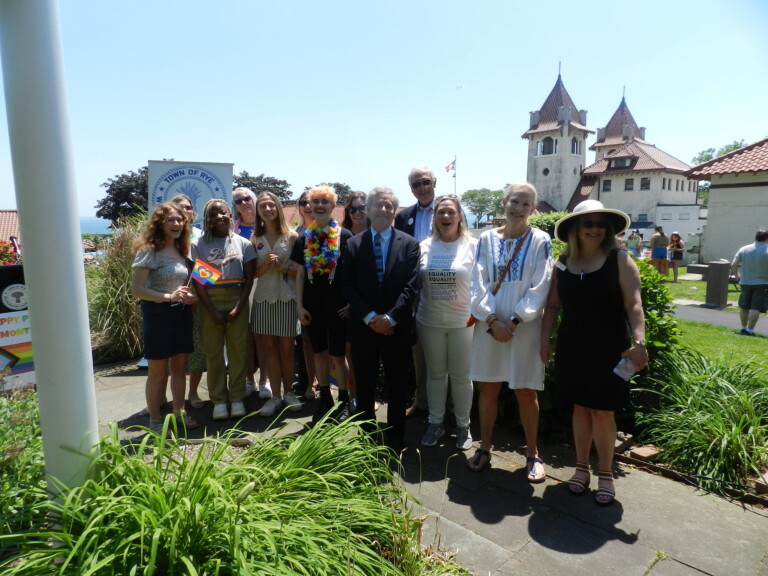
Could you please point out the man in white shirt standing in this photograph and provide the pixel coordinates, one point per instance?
(753, 300)
(416, 220)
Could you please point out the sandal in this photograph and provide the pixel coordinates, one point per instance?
(195, 401)
(579, 482)
(534, 478)
(479, 461)
(187, 422)
(605, 493)
(310, 394)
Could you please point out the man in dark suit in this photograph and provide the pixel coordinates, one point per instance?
(379, 280)
(416, 220)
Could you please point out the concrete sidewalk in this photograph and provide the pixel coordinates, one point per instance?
(499, 524)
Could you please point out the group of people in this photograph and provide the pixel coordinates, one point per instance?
(666, 251)
(410, 292)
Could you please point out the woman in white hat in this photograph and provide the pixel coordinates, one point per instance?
(597, 285)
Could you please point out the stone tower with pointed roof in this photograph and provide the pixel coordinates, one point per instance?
(557, 147)
(620, 130)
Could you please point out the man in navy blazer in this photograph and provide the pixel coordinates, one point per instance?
(381, 292)
(416, 220)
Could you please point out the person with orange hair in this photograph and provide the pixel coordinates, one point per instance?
(320, 301)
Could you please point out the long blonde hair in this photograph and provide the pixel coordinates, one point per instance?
(261, 226)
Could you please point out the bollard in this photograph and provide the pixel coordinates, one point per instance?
(717, 284)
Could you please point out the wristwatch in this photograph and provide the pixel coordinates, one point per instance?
(515, 320)
(641, 343)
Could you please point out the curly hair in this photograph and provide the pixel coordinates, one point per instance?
(153, 236)
(207, 226)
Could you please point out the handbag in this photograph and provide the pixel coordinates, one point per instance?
(472, 320)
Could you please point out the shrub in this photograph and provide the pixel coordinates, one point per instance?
(325, 502)
(710, 418)
(22, 470)
(547, 221)
(114, 313)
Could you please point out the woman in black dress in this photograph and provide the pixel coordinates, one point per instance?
(597, 285)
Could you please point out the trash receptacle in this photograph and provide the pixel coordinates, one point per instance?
(717, 284)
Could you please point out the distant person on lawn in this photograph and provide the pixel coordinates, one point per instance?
(753, 260)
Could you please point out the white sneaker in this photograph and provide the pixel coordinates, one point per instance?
(269, 408)
(463, 438)
(265, 391)
(249, 388)
(293, 403)
(238, 410)
(220, 412)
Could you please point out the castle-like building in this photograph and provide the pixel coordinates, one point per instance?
(628, 173)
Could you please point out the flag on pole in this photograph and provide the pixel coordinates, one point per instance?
(451, 166)
(205, 273)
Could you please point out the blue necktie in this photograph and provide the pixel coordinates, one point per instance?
(379, 256)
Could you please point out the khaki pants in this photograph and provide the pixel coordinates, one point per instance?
(235, 336)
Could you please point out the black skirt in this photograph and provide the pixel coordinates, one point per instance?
(167, 330)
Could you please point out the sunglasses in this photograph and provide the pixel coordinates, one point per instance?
(446, 197)
(356, 209)
(420, 184)
(594, 224)
(247, 200)
(303, 203)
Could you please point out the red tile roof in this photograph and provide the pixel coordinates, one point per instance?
(644, 157)
(583, 191)
(9, 225)
(752, 158)
(614, 130)
(557, 98)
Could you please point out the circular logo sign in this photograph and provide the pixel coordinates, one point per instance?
(14, 297)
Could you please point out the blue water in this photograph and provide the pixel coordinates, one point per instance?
(91, 225)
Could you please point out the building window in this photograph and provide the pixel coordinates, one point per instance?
(663, 183)
(684, 216)
(677, 185)
(666, 216)
(629, 184)
(642, 217)
(547, 146)
(545, 171)
(575, 146)
(606, 185)
(645, 183)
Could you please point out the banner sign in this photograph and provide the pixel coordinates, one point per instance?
(16, 359)
(201, 181)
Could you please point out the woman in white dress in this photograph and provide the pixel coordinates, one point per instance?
(507, 333)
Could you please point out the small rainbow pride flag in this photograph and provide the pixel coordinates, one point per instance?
(205, 273)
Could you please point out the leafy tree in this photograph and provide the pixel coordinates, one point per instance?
(261, 183)
(481, 202)
(711, 154)
(126, 196)
(342, 190)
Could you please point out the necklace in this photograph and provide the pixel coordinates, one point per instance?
(321, 250)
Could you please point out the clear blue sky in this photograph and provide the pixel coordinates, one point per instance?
(359, 92)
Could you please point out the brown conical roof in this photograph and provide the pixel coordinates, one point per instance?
(548, 114)
(614, 130)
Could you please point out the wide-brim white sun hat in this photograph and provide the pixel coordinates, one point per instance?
(619, 220)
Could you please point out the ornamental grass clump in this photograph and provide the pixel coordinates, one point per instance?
(710, 418)
(324, 502)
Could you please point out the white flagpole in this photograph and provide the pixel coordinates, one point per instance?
(33, 78)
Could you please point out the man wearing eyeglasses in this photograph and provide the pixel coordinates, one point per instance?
(416, 220)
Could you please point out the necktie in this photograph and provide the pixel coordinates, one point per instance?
(379, 256)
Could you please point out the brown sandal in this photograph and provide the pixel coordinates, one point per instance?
(479, 461)
(579, 482)
(605, 493)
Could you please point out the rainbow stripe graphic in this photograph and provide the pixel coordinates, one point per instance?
(22, 351)
(203, 273)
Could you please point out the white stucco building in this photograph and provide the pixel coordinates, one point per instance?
(738, 199)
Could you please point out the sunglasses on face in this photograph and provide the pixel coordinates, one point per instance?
(247, 200)
(356, 209)
(303, 203)
(593, 224)
(420, 184)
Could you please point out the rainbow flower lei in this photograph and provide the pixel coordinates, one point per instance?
(321, 249)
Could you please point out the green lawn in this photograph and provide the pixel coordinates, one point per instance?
(696, 290)
(718, 342)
